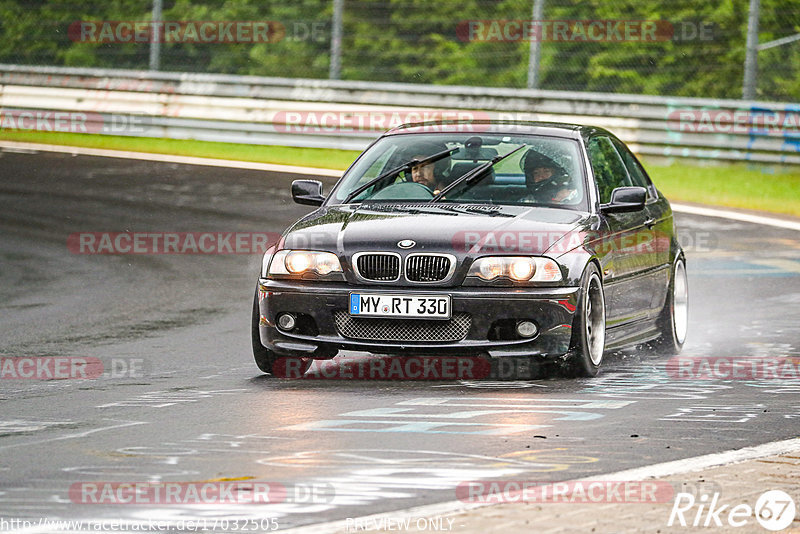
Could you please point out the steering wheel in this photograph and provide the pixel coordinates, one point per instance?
(569, 198)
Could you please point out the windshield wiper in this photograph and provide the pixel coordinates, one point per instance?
(400, 168)
(476, 174)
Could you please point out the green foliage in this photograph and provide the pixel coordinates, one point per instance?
(418, 41)
(736, 185)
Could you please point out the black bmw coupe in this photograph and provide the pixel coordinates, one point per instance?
(477, 238)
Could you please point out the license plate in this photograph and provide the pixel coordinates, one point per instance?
(394, 305)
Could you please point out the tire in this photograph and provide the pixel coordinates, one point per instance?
(588, 327)
(673, 321)
(264, 357)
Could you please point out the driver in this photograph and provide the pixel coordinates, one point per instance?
(546, 180)
(425, 175)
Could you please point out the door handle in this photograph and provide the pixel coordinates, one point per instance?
(650, 223)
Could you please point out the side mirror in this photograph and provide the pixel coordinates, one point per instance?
(626, 199)
(307, 192)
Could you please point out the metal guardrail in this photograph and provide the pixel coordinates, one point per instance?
(296, 112)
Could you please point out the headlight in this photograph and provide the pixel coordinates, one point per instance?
(517, 268)
(299, 262)
(522, 269)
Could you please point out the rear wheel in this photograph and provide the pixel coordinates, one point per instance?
(588, 327)
(674, 319)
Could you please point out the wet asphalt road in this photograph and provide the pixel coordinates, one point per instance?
(199, 409)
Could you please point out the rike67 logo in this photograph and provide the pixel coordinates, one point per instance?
(774, 510)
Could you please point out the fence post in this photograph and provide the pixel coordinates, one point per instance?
(155, 37)
(536, 45)
(336, 40)
(751, 57)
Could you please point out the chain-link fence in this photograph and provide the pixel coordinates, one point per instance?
(658, 47)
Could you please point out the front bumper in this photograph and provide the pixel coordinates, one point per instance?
(552, 309)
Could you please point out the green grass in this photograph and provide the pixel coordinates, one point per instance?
(307, 157)
(738, 185)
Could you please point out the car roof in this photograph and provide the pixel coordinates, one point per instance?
(554, 129)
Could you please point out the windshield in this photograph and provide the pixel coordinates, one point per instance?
(545, 171)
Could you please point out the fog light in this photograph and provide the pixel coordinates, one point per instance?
(526, 329)
(286, 321)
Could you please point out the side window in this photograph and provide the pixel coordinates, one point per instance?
(635, 171)
(609, 171)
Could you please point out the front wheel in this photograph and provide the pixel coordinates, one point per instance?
(264, 357)
(673, 322)
(588, 327)
(287, 367)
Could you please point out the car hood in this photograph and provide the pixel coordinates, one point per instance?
(457, 229)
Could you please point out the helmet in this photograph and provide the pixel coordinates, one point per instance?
(535, 160)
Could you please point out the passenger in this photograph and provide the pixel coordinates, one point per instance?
(546, 180)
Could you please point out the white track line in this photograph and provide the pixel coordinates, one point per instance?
(290, 169)
(188, 160)
(676, 467)
(736, 216)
